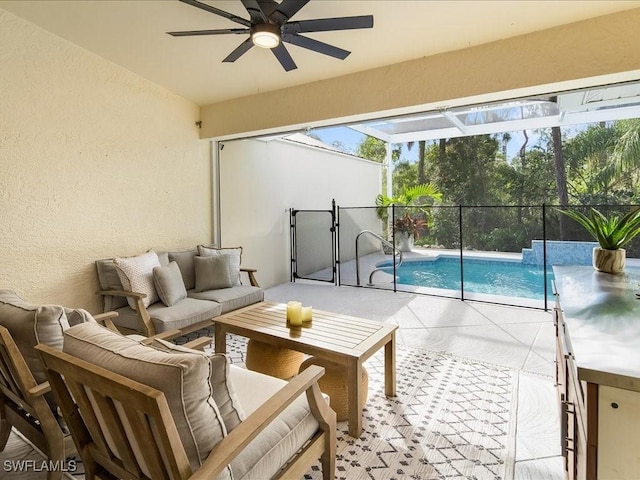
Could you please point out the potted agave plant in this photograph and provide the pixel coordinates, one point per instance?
(612, 233)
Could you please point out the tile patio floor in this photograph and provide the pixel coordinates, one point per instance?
(519, 338)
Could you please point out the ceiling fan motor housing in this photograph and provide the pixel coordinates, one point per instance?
(265, 35)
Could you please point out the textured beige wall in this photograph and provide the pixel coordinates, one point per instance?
(540, 62)
(94, 162)
(283, 175)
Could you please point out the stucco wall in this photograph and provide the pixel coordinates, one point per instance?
(588, 53)
(94, 162)
(261, 181)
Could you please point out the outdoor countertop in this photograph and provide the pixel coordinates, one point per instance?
(602, 316)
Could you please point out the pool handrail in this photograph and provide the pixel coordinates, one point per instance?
(396, 253)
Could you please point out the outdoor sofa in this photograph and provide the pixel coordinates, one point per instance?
(158, 291)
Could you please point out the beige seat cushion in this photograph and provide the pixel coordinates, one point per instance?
(274, 446)
(231, 298)
(31, 324)
(181, 314)
(184, 378)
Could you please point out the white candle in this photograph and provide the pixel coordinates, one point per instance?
(306, 314)
(294, 313)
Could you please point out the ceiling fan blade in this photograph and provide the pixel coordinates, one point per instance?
(255, 11)
(243, 48)
(190, 33)
(329, 24)
(286, 10)
(316, 46)
(217, 11)
(282, 54)
(268, 6)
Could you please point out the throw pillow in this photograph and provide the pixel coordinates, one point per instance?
(213, 272)
(184, 378)
(184, 259)
(169, 284)
(224, 393)
(235, 254)
(136, 275)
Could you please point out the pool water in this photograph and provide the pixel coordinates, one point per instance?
(488, 276)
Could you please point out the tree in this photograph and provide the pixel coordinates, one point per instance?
(373, 149)
(627, 151)
(421, 159)
(561, 177)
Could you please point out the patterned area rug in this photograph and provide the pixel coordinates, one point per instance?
(452, 418)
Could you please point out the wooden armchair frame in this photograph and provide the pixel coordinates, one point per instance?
(143, 428)
(23, 406)
(143, 313)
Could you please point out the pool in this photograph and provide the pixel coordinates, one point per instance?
(488, 276)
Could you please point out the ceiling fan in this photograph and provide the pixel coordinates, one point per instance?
(269, 27)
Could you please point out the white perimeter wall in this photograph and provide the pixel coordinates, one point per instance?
(260, 181)
(95, 162)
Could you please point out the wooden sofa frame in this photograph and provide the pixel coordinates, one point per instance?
(143, 427)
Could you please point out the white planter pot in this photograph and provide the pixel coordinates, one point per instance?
(404, 242)
(609, 261)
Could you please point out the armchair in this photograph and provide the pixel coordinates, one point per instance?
(23, 406)
(129, 429)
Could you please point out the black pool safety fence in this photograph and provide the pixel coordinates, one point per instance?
(496, 254)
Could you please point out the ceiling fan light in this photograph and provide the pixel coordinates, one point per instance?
(265, 35)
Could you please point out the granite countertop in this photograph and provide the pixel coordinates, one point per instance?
(602, 315)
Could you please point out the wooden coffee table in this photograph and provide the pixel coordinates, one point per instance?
(341, 339)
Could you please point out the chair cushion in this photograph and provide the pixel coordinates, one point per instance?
(224, 393)
(184, 259)
(235, 258)
(231, 298)
(109, 279)
(31, 324)
(181, 314)
(277, 443)
(169, 284)
(183, 377)
(213, 272)
(136, 275)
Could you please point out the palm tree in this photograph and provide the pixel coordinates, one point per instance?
(407, 197)
(627, 151)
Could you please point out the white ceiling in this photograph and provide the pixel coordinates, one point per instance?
(132, 34)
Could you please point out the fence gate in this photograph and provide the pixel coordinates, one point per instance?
(313, 244)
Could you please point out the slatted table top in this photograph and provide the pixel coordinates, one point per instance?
(344, 335)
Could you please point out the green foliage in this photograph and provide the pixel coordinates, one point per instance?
(612, 232)
(627, 150)
(408, 196)
(372, 149)
(404, 174)
(466, 172)
(375, 149)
